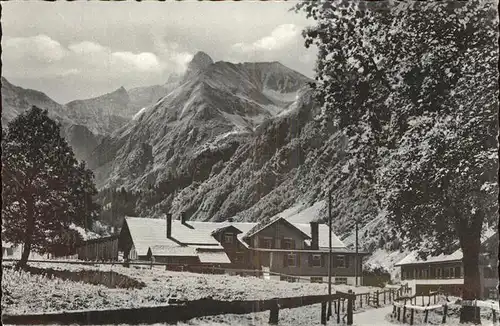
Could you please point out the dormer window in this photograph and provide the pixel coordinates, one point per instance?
(228, 238)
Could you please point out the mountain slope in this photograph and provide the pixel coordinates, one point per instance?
(16, 100)
(215, 107)
(102, 114)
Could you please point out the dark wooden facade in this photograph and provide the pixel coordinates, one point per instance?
(236, 250)
(101, 249)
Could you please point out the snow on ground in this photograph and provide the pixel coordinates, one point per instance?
(34, 294)
(138, 114)
(387, 259)
(278, 96)
(302, 214)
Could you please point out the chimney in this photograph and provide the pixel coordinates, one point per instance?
(314, 235)
(169, 225)
(183, 217)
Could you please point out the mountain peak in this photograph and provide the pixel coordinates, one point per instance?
(200, 62)
(201, 59)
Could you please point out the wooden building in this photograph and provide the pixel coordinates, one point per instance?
(446, 272)
(99, 249)
(297, 250)
(301, 252)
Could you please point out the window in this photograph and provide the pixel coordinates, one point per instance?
(340, 262)
(238, 258)
(446, 272)
(228, 238)
(267, 242)
(288, 279)
(316, 279)
(288, 243)
(439, 273)
(458, 272)
(341, 280)
(492, 293)
(292, 260)
(489, 273)
(316, 260)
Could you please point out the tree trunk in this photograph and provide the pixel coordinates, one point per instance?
(30, 226)
(472, 282)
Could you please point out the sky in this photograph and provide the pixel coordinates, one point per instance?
(78, 50)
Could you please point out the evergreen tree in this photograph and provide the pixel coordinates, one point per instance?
(413, 85)
(45, 190)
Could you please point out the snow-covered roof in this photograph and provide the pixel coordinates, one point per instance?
(185, 251)
(7, 244)
(219, 257)
(86, 234)
(412, 258)
(259, 228)
(322, 235)
(152, 233)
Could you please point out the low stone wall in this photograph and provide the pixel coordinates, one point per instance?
(109, 279)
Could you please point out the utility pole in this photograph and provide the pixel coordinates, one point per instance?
(356, 258)
(330, 253)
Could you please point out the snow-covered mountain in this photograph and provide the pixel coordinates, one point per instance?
(84, 122)
(239, 141)
(203, 120)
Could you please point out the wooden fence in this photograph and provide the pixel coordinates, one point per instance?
(184, 310)
(380, 298)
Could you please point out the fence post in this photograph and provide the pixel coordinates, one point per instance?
(423, 304)
(338, 311)
(404, 314)
(494, 315)
(411, 316)
(274, 313)
(399, 313)
(445, 312)
(323, 313)
(343, 306)
(350, 307)
(376, 302)
(361, 301)
(426, 316)
(384, 297)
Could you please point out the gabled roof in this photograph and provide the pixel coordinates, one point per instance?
(151, 232)
(322, 235)
(457, 255)
(259, 228)
(226, 228)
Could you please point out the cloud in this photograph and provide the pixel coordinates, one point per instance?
(39, 48)
(41, 56)
(174, 56)
(280, 37)
(145, 61)
(87, 47)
